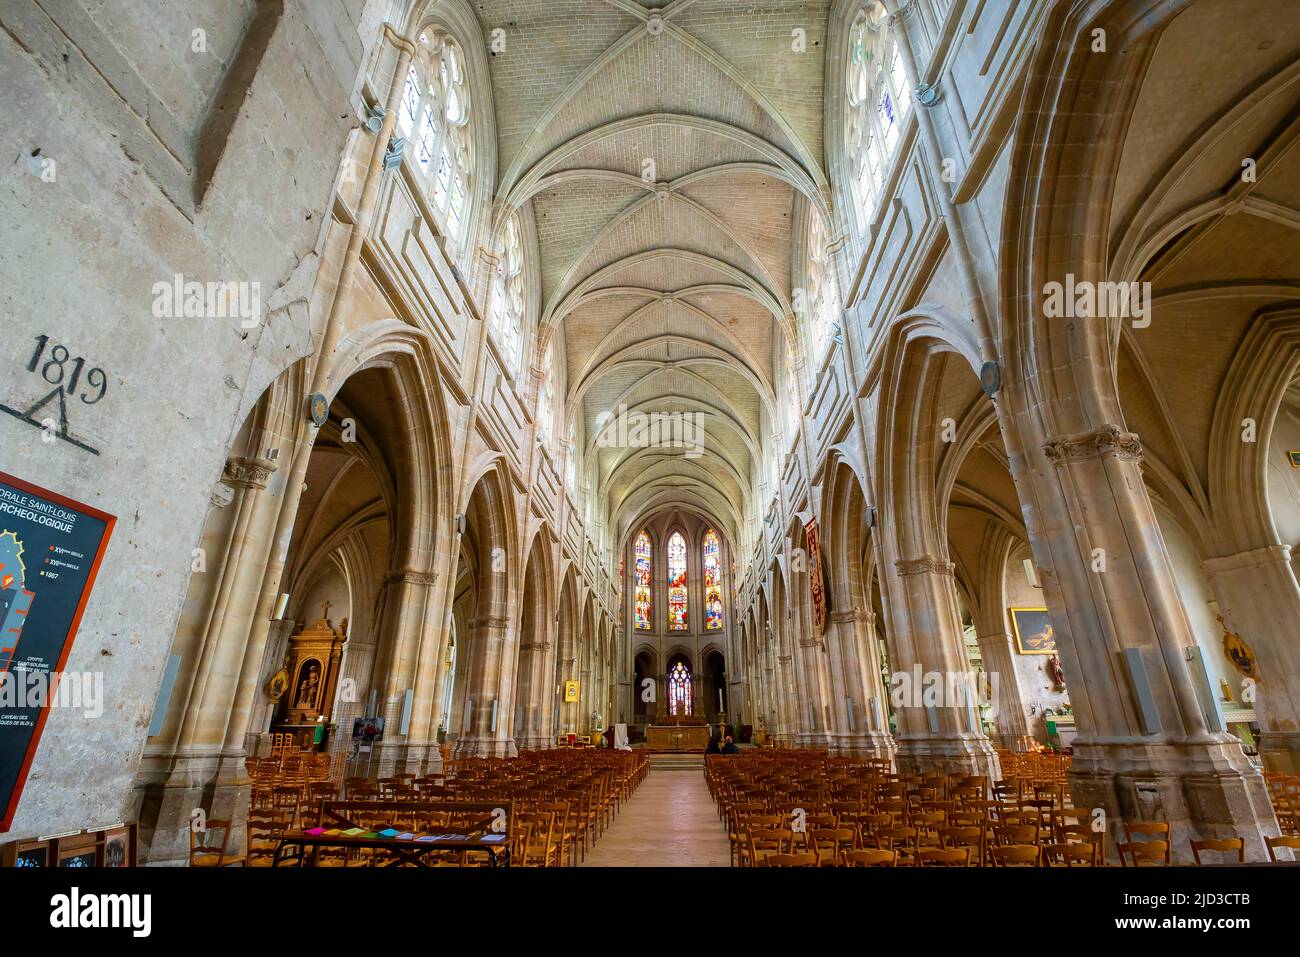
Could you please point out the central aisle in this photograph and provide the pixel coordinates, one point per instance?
(670, 822)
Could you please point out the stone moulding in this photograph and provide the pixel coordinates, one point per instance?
(247, 473)
(924, 566)
(1108, 440)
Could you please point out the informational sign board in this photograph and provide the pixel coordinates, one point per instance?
(50, 551)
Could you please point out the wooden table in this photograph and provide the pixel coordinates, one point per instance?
(487, 830)
(405, 852)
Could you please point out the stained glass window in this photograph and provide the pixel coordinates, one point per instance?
(641, 604)
(677, 582)
(712, 581)
(679, 689)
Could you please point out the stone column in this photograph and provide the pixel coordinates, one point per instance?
(1143, 749)
(488, 732)
(412, 611)
(1013, 732)
(852, 634)
(938, 716)
(199, 760)
(1259, 599)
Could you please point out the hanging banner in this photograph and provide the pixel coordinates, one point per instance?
(50, 550)
(815, 584)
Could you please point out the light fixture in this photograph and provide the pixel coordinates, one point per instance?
(374, 119)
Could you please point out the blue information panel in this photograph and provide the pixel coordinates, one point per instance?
(50, 551)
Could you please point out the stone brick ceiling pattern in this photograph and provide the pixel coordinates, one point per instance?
(663, 148)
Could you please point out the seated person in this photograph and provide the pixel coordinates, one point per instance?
(730, 747)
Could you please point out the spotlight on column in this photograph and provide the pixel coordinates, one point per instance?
(280, 606)
(1031, 573)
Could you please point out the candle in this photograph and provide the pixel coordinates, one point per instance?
(720, 708)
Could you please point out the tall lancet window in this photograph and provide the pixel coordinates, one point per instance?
(677, 582)
(508, 295)
(434, 119)
(823, 292)
(546, 404)
(712, 564)
(679, 689)
(644, 573)
(878, 100)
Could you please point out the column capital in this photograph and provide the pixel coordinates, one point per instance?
(490, 622)
(850, 615)
(1108, 440)
(411, 576)
(241, 472)
(925, 565)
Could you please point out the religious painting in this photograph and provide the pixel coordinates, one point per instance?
(1294, 456)
(642, 569)
(308, 684)
(1034, 634)
(679, 689)
(118, 851)
(677, 583)
(712, 581)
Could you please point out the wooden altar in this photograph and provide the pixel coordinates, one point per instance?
(678, 733)
(312, 664)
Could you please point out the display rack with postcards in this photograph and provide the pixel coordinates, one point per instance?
(106, 847)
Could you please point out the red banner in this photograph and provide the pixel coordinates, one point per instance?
(815, 578)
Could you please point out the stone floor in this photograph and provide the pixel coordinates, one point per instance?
(670, 822)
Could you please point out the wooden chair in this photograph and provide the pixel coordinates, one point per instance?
(831, 843)
(1015, 855)
(1154, 831)
(1286, 840)
(764, 842)
(208, 847)
(871, 857)
(789, 860)
(1229, 845)
(902, 840)
(1070, 854)
(943, 857)
(970, 837)
(1144, 853)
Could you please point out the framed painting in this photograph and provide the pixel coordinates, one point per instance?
(1034, 635)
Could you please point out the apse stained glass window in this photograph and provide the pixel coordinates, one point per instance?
(677, 582)
(712, 581)
(679, 689)
(641, 603)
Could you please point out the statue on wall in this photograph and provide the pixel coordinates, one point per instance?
(1055, 672)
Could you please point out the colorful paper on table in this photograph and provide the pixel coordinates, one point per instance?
(389, 832)
(354, 832)
(426, 839)
(314, 831)
(493, 838)
(406, 836)
(333, 832)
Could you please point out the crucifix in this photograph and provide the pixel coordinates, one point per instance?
(325, 613)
